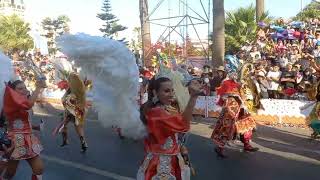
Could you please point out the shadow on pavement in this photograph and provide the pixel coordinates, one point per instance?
(245, 166)
(289, 142)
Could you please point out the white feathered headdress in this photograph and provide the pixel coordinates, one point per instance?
(114, 72)
(6, 74)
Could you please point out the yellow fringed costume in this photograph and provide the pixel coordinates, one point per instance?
(74, 100)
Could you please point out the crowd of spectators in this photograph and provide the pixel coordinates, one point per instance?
(42, 63)
(284, 56)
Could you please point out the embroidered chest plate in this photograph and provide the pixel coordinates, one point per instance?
(168, 144)
(18, 124)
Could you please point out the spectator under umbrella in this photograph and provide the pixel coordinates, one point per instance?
(262, 24)
(277, 35)
(291, 37)
(278, 29)
(297, 24)
(287, 32)
(297, 34)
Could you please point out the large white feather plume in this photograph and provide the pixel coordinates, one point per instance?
(112, 67)
(6, 74)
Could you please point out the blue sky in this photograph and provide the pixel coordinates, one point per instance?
(83, 13)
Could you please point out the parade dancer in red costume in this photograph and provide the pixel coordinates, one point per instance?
(164, 122)
(233, 119)
(26, 145)
(74, 102)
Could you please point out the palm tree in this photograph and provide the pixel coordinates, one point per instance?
(55, 27)
(14, 35)
(218, 33)
(136, 42)
(145, 32)
(259, 8)
(241, 26)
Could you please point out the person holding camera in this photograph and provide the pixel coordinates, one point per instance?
(26, 146)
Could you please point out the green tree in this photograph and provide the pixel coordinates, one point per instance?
(241, 26)
(61, 24)
(110, 27)
(55, 27)
(312, 10)
(14, 35)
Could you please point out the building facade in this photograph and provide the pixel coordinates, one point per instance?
(9, 7)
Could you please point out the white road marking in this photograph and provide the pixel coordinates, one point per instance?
(288, 155)
(85, 168)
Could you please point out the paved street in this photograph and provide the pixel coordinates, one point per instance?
(285, 154)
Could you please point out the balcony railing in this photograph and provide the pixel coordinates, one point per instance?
(14, 6)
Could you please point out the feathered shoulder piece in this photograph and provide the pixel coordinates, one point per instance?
(77, 88)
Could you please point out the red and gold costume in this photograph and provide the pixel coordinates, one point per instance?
(74, 103)
(72, 107)
(74, 99)
(233, 119)
(163, 159)
(16, 107)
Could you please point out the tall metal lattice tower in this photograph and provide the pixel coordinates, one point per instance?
(177, 20)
